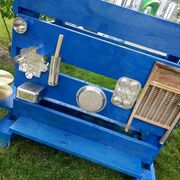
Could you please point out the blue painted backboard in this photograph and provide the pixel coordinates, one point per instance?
(104, 56)
(94, 53)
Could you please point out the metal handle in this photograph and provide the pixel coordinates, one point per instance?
(55, 64)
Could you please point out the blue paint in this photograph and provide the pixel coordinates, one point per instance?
(123, 23)
(72, 143)
(8, 102)
(86, 129)
(5, 135)
(87, 52)
(149, 174)
(65, 93)
(57, 121)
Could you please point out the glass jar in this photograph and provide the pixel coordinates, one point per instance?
(170, 9)
(150, 6)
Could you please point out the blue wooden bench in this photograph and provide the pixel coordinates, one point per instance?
(57, 120)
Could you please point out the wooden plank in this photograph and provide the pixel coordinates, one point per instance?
(65, 93)
(168, 132)
(169, 120)
(116, 21)
(139, 100)
(152, 105)
(5, 135)
(149, 82)
(169, 68)
(77, 145)
(88, 130)
(160, 105)
(151, 122)
(147, 101)
(165, 87)
(166, 108)
(87, 52)
(167, 78)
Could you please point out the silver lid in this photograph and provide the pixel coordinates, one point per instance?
(91, 98)
(20, 25)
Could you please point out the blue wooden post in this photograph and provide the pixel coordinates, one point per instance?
(57, 120)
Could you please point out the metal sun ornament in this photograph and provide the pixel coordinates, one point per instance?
(31, 63)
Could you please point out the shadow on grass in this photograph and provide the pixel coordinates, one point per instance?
(26, 159)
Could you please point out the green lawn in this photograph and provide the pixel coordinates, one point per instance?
(29, 160)
(3, 35)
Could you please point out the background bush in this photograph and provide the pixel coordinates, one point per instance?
(6, 8)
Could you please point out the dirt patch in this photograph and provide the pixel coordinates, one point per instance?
(5, 57)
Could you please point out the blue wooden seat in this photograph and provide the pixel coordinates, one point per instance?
(58, 121)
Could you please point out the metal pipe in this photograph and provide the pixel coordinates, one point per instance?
(170, 10)
(162, 7)
(55, 64)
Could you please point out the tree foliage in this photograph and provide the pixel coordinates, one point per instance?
(6, 8)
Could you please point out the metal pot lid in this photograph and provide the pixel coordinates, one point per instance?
(5, 91)
(91, 98)
(5, 78)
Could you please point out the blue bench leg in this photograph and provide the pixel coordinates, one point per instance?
(5, 135)
(5, 140)
(148, 174)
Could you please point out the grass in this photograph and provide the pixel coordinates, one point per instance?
(3, 34)
(26, 159)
